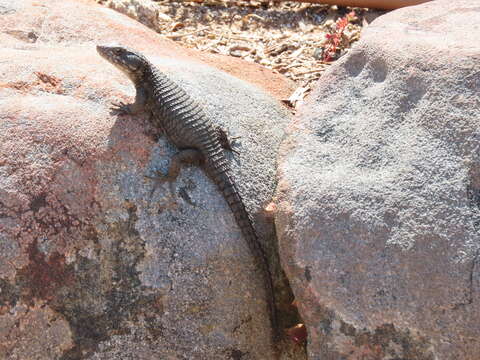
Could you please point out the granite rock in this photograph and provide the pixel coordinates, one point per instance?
(378, 199)
(92, 258)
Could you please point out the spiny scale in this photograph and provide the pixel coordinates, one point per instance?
(186, 125)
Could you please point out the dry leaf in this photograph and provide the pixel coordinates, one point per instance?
(270, 210)
(298, 333)
(177, 26)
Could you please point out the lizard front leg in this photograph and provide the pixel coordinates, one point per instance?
(134, 108)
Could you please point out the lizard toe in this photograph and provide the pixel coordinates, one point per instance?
(120, 108)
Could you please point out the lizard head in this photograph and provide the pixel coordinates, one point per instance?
(132, 63)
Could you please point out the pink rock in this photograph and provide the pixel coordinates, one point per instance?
(86, 248)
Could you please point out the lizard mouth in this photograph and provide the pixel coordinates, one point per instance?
(126, 60)
(109, 54)
(104, 51)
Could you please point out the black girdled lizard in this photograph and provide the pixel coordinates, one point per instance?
(198, 139)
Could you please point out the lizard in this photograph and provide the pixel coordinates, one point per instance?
(199, 140)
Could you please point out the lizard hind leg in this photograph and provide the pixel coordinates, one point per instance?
(224, 139)
(187, 156)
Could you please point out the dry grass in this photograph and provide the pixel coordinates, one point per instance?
(287, 37)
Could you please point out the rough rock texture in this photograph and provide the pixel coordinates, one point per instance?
(379, 193)
(92, 264)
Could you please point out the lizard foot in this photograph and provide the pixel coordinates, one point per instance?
(157, 181)
(121, 108)
(160, 179)
(225, 140)
(186, 156)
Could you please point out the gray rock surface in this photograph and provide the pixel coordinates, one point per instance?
(93, 265)
(379, 192)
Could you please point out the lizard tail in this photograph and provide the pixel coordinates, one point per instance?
(235, 202)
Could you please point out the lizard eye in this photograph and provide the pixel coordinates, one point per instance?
(118, 51)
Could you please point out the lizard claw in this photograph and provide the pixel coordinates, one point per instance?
(160, 178)
(225, 140)
(157, 181)
(120, 108)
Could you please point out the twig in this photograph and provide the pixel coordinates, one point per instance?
(185, 34)
(309, 72)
